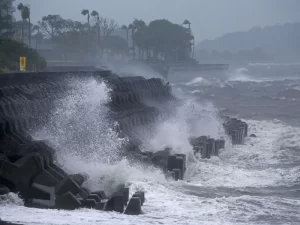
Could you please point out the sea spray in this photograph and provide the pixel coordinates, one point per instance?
(86, 142)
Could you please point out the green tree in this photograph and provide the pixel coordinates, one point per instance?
(10, 52)
(132, 28)
(124, 27)
(141, 37)
(96, 17)
(20, 8)
(186, 22)
(6, 26)
(169, 41)
(192, 43)
(115, 44)
(51, 26)
(25, 14)
(86, 12)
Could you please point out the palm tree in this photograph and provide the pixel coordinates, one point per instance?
(25, 14)
(186, 22)
(132, 28)
(86, 12)
(124, 27)
(38, 36)
(96, 16)
(20, 8)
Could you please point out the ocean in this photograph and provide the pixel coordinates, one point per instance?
(255, 183)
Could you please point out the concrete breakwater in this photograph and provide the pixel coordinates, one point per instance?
(28, 166)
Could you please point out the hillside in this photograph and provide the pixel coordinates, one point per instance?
(280, 42)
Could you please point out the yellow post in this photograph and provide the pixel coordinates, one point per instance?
(22, 64)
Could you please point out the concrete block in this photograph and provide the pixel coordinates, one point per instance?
(115, 203)
(134, 206)
(67, 201)
(67, 185)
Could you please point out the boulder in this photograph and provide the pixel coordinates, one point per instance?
(253, 135)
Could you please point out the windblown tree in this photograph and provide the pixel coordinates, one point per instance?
(96, 18)
(187, 22)
(162, 39)
(132, 28)
(6, 26)
(25, 14)
(141, 37)
(192, 43)
(107, 26)
(10, 51)
(51, 26)
(115, 44)
(86, 12)
(124, 27)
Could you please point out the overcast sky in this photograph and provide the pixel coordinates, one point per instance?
(209, 18)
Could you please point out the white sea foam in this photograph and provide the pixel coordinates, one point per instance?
(255, 164)
(169, 202)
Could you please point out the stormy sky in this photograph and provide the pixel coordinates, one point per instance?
(209, 18)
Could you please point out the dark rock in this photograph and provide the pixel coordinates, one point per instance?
(8, 223)
(60, 171)
(45, 178)
(134, 206)
(100, 205)
(90, 203)
(160, 158)
(101, 194)
(42, 149)
(115, 203)
(83, 193)
(54, 173)
(36, 192)
(140, 194)
(176, 162)
(41, 196)
(95, 197)
(177, 173)
(81, 201)
(67, 201)
(125, 192)
(253, 135)
(21, 173)
(4, 190)
(78, 178)
(67, 185)
(219, 144)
